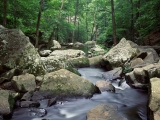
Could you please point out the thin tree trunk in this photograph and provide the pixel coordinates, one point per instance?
(4, 13)
(75, 19)
(52, 33)
(94, 26)
(132, 22)
(87, 21)
(137, 16)
(38, 23)
(113, 23)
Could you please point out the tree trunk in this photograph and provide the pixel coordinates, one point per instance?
(137, 16)
(132, 22)
(113, 23)
(94, 29)
(75, 19)
(4, 13)
(38, 23)
(87, 21)
(52, 33)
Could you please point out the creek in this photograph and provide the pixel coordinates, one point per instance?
(131, 103)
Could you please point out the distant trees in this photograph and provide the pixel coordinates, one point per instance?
(105, 21)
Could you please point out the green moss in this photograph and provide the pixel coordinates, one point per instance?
(79, 62)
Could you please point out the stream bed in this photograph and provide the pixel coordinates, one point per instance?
(131, 103)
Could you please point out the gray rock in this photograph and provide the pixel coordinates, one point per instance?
(121, 53)
(7, 76)
(63, 83)
(7, 102)
(90, 44)
(105, 86)
(55, 45)
(113, 74)
(53, 63)
(154, 98)
(78, 45)
(79, 62)
(45, 53)
(142, 75)
(69, 53)
(104, 112)
(27, 96)
(37, 96)
(96, 61)
(136, 62)
(27, 104)
(52, 101)
(24, 83)
(18, 52)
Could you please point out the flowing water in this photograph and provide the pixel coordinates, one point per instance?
(131, 103)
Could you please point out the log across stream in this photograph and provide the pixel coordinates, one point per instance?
(132, 103)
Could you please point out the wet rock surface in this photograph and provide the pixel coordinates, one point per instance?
(104, 112)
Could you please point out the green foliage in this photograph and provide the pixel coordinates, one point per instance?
(145, 16)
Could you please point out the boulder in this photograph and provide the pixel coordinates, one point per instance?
(7, 103)
(96, 61)
(27, 104)
(18, 52)
(45, 53)
(55, 45)
(63, 83)
(7, 76)
(24, 83)
(142, 75)
(104, 112)
(113, 74)
(90, 44)
(97, 50)
(78, 45)
(27, 96)
(53, 63)
(69, 53)
(145, 57)
(105, 86)
(135, 62)
(154, 99)
(79, 62)
(121, 53)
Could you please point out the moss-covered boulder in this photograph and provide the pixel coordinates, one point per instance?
(7, 103)
(53, 63)
(64, 83)
(79, 62)
(16, 51)
(24, 83)
(121, 53)
(90, 44)
(97, 61)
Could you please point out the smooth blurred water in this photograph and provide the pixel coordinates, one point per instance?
(131, 103)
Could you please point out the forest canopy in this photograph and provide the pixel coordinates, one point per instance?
(67, 21)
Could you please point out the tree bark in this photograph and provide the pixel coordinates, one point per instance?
(38, 23)
(113, 23)
(4, 13)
